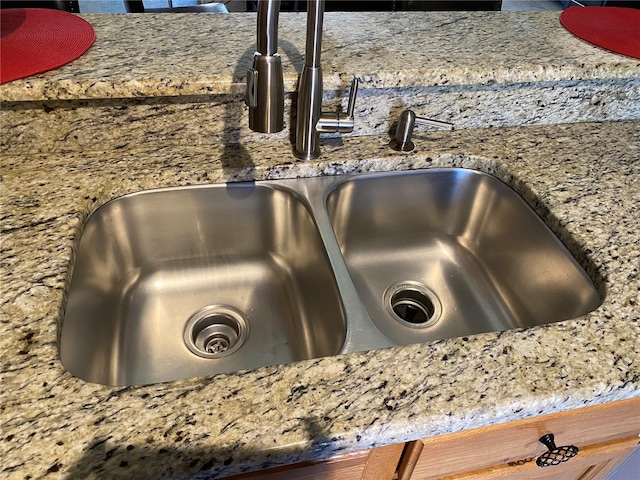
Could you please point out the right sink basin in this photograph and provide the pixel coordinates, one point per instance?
(437, 254)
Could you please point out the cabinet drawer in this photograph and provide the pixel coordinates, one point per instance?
(517, 443)
(594, 462)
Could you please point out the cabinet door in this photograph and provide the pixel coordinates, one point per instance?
(594, 462)
(511, 449)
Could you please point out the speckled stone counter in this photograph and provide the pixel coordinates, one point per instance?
(145, 55)
(182, 82)
(581, 178)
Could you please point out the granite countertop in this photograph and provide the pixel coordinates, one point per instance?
(581, 178)
(139, 55)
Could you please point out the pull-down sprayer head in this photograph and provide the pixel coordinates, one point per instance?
(265, 86)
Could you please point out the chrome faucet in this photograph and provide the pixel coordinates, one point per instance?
(265, 87)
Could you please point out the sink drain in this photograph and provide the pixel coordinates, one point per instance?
(216, 331)
(412, 304)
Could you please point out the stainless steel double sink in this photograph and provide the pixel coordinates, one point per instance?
(184, 282)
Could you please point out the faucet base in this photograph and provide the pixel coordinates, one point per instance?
(305, 156)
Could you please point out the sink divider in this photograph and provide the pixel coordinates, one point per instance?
(362, 334)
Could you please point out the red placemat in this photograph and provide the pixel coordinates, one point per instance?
(36, 40)
(614, 28)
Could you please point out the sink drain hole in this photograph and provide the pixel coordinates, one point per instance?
(217, 344)
(412, 304)
(216, 331)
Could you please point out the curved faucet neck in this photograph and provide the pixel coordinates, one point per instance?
(310, 89)
(267, 34)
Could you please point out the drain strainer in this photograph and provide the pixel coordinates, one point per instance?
(412, 304)
(216, 331)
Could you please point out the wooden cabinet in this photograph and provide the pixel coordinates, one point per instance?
(605, 435)
(594, 462)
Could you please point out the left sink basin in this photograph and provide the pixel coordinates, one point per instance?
(185, 282)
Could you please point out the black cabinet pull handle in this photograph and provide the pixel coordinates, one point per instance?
(555, 455)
